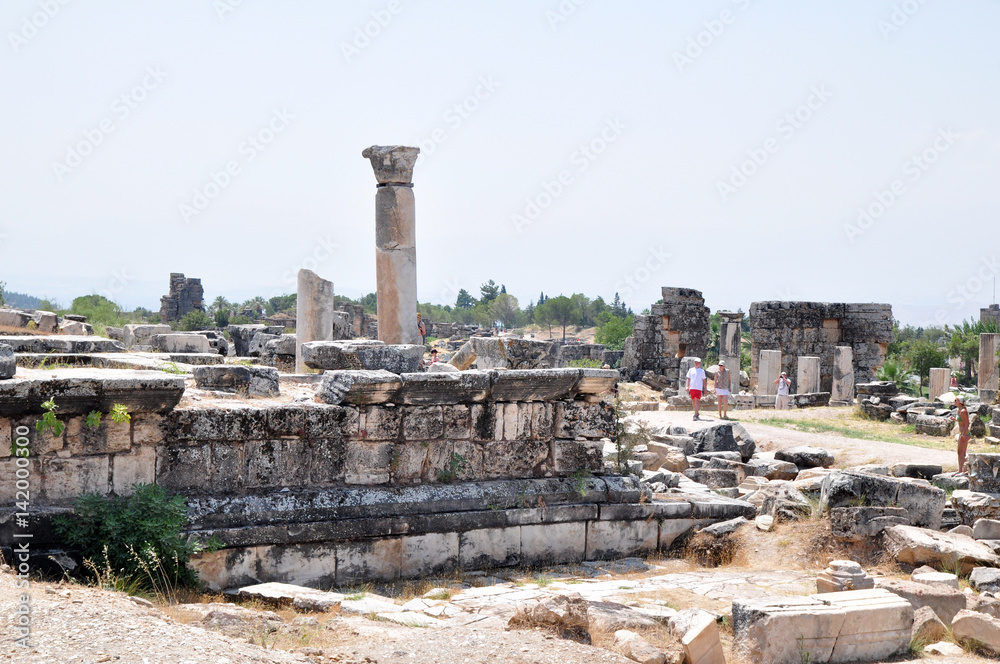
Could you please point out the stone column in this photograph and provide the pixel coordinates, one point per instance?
(395, 243)
(729, 347)
(989, 377)
(768, 371)
(843, 375)
(940, 382)
(807, 378)
(313, 313)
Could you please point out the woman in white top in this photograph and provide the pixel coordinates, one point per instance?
(783, 383)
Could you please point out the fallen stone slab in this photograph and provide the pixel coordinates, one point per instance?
(923, 502)
(358, 387)
(714, 478)
(950, 482)
(927, 627)
(944, 648)
(917, 470)
(985, 579)
(429, 388)
(922, 546)
(945, 600)
(497, 353)
(859, 524)
(180, 343)
(983, 470)
(410, 619)
(534, 384)
(140, 333)
(857, 625)
(637, 648)
(979, 627)
(698, 632)
(286, 594)
(63, 344)
(255, 381)
(772, 469)
(933, 426)
(79, 391)
(971, 506)
(806, 456)
(370, 604)
(787, 504)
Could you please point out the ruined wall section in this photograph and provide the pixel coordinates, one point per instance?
(186, 295)
(676, 327)
(816, 329)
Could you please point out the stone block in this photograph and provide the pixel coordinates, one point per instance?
(858, 524)
(553, 543)
(534, 384)
(983, 470)
(940, 382)
(923, 503)
(425, 555)
(367, 560)
(137, 467)
(843, 575)
(986, 529)
(146, 429)
(457, 421)
(381, 423)
(358, 387)
(922, 546)
(489, 547)
(573, 456)
(182, 469)
(715, 478)
(524, 458)
(367, 462)
(65, 479)
(180, 343)
(516, 420)
(462, 387)
(487, 421)
(276, 463)
(498, 353)
(979, 627)
(933, 426)
(8, 362)
(422, 423)
(140, 334)
(578, 418)
(8, 488)
(615, 539)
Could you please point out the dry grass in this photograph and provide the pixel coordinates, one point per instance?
(10, 331)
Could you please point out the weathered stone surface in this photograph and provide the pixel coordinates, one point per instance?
(986, 529)
(933, 426)
(286, 594)
(772, 469)
(984, 472)
(358, 387)
(256, 381)
(186, 295)
(944, 600)
(8, 363)
(180, 343)
(923, 503)
(843, 575)
(242, 335)
(445, 388)
(500, 353)
(62, 344)
(927, 627)
(805, 456)
(985, 579)
(534, 384)
(978, 626)
(343, 355)
(787, 504)
(856, 625)
(858, 524)
(140, 334)
(698, 632)
(715, 478)
(721, 438)
(313, 313)
(676, 328)
(917, 470)
(79, 391)
(921, 546)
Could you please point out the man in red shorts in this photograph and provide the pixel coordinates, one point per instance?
(695, 384)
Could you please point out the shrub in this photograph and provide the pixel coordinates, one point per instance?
(195, 320)
(138, 537)
(585, 364)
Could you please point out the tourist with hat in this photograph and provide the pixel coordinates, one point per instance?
(781, 399)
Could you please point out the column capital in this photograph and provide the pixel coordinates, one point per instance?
(393, 164)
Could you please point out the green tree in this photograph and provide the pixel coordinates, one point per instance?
(195, 320)
(583, 305)
(613, 330)
(257, 305)
(963, 343)
(922, 356)
(563, 311)
(488, 292)
(281, 303)
(370, 303)
(219, 304)
(504, 308)
(464, 300)
(618, 307)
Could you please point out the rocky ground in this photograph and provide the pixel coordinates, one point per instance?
(467, 618)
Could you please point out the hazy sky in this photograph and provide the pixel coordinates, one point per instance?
(754, 150)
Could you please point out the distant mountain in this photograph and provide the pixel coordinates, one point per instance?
(20, 300)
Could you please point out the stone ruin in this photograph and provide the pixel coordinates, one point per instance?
(676, 327)
(990, 314)
(186, 295)
(824, 345)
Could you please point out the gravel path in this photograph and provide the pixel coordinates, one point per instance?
(848, 451)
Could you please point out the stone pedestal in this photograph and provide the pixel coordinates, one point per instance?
(313, 313)
(940, 382)
(989, 377)
(729, 348)
(807, 378)
(843, 375)
(768, 372)
(843, 575)
(395, 243)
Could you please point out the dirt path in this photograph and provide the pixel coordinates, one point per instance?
(848, 451)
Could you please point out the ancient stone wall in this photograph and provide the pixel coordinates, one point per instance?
(186, 295)
(990, 314)
(817, 329)
(676, 327)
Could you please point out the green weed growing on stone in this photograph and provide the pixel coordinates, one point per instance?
(94, 419)
(49, 422)
(456, 466)
(120, 414)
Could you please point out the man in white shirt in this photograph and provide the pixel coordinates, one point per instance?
(694, 384)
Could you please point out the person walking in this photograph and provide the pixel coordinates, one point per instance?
(722, 389)
(781, 399)
(694, 384)
(962, 437)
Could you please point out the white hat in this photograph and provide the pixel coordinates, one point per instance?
(722, 363)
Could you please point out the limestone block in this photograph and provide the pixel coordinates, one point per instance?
(542, 420)
(768, 371)
(490, 547)
(843, 575)
(553, 543)
(858, 524)
(8, 488)
(227, 568)
(524, 458)
(989, 375)
(276, 463)
(182, 468)
(8, 363)
(378, 559)
(103, 439)
(425, 555)
(140, 334)
(421, 422)
(534, 384)
(358, 387)
(927, 627)
(516, 420)
(973, 505)
(933, 426)
(445, 388)
(14, 318)
(806, 456)
(940, 382)
(923, 502)
(578, 418)
(634, 647)
(457, 422)
(807, 375)
(715, 478)
(572, 456)
(921, 546)
(843, 375)
(499, 353)
(314, 313)
(597, 381)
(985, 579)
(701, 641)
(367, 462)
(615, 539)
(326, 460)
(974, 625)
(983, 470)
(358, 355)
(65, 479)
(181, 343)
(487, 421)
(146, 429)
(137, 467)
(772, 469)
(986, 529)
(6, 437)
